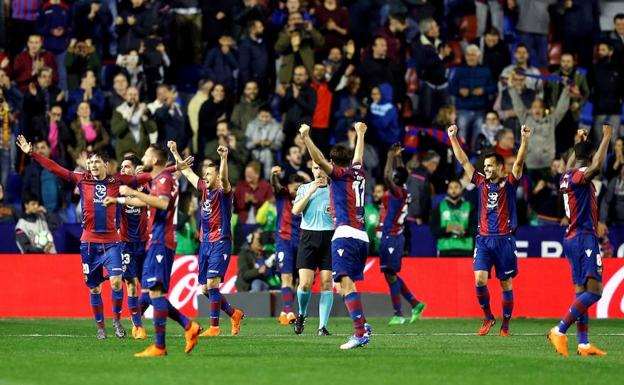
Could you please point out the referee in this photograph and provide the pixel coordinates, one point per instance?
(317, 229)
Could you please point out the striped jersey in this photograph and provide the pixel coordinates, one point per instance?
(347, 196)
(497, 205)
(133, 222)
(161, 223)
(579, 198)
(393, 211)
(216, 213)
(287, 223)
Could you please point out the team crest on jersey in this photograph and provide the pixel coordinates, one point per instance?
(162, 180)
(99, 194)
(492, 201)
(206, 207)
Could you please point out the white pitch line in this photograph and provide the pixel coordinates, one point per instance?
(312, 335)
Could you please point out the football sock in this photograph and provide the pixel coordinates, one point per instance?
(117, 297)
(354, 306)
(407, 294)
(325, 306)
(395, 296)
(580, 306)
(98, 310)
(287, 298)
(483, 295)
(508, 304)
(226, 307)
(160, 320)
(215, 306)
(303, 297)
(175, 315)
(135, 311)
(145, 301)
(582, 326)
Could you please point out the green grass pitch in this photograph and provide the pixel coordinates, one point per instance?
(431, 351)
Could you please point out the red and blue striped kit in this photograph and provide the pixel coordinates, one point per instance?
(579, 198)
(287, 223)
(347, 196)
(497, 205)
(393, 211)
(216, 213)
(161, 223)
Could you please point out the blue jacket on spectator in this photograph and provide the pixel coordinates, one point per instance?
(253, 60)
(84, 28)
(220, 67)
(52, 16)
(472, 77)
(172, 125)
(130, 36)
(384, 117)
(97, 103)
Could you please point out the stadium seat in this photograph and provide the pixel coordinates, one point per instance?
(468, 28)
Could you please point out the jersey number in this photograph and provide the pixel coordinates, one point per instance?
(358, 189)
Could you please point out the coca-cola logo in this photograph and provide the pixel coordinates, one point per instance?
(613, 292)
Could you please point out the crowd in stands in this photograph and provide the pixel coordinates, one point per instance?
(117, 75)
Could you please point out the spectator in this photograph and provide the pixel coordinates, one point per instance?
(133, 25)
(495, 54)
(54, 129)
(32, 232)
(377, 68)
(221, 63)
(473, 89)
(10, 92)
(333, 22)
(495, 9)
(39, 182)
(117, 96)
(8, 128)
(298, 102)
(192, 110)
(255, 266)
(546, 199)
(216, 19)
(487, 134)
(429, 53)
(251, 193)
(53, 24)
(504, 142)
(264, 137)
(162, 93)
(522, 66)
(130, 65)
(154, 60)
(383, 118)
(612, 204)
(247, 109)
(254, 62)
(280, 15)
(421, 189)
(533, 19)
(88, 92)
(90, 136)
(617, 38)
(335, 60)
(607, 92)
(580, 24)
(616, 160)
(5, 63)
(38, 99)
(131, 125)
(79, 59)
(294, 165)
(172, 123)
(7, 211)
(246, 11)
(454, 223)
(579, 94)
(91, 20)
(187, 28)
(503, 105)
(28, 63)
(237, 155)
(541, 152)
(186, 228)
(349, 108)
(213, 110)
(23, 16)
(296, 44)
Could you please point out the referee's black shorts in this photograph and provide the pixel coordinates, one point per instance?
(315, 250)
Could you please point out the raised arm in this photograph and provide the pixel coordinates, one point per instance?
(394, 154)
(48, 164)
(599, 157)
(136, 198)
(302, 199)
(518, 165)
(581, 136)
(181, 165)
(276, 171)
(223, 169)
(459, 153)
(316, 154)
(358, 152)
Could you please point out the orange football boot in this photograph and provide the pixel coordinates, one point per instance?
(152, 351)
(590, 351)
(283, 319)
(559, 341)
(138, 333)
(505, 333)
(191, 335)
(291, 318)
(486, 326)
(212, 331)
(236, 319)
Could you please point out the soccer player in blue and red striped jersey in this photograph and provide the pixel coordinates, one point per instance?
(160, 249)
(287, 227)
(350, 240)
(497, 223)
(99, 245)
(580, 244)
(215, 236)
(391, 223)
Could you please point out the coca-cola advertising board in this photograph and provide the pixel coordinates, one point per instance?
(35, 285)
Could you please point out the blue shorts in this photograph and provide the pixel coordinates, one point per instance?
(95, 256)
(132, 258)
(348, 258)
(391, 253)
(157, 267)
(286, 252)
(214, 258)
(497, 251)
(583, 253)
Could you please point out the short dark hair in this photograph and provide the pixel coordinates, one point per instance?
(618, 16)
(103, 155)
(521, 45)
(584, 151)
(265, 108)
(134, 159)
(85, 72)
(39, 139)
(498, 157)
(606, 42)
(161, 154)
(431, 155)
(295, 178)
(492, 31)
(30, 197)
(453, 180)
(400, 175)
(341, 155)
